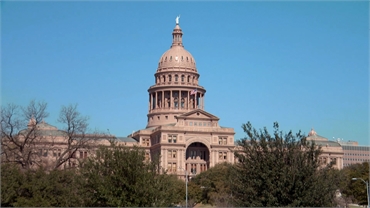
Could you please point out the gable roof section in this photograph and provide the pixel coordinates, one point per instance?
(198, 113)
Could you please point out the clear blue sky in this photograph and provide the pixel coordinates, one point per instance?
(303, 64)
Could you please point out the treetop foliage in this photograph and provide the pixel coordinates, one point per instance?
(281, 169)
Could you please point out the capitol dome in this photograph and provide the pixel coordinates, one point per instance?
(177, 58)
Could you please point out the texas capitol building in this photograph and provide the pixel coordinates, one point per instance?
(178, 128)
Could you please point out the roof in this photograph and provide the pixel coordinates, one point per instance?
(327, 143)
(126, 139)
(205, 113)
(177, 56)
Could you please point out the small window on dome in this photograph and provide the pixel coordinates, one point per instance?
(182, 58)
(170, 58)
(187, 59)
(165, 59)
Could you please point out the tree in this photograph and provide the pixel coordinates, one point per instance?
(355, 191)
(213, 186)
(38, 188)
(280, 170)
(38, 144)
(18, 146)
(120, 176)
(75, 137)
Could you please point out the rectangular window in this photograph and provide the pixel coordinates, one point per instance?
(222, 155)
(146, 142)
(222, 140)
(45, 153)
(172, 138)
(190, 123)
(81, 154)
(171, 167)
(174, 167)
(85, 154)
(172, 154)
(169, 138)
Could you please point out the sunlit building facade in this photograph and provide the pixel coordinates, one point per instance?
(178, 128)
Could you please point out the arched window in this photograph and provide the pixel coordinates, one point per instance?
(169, 78)
(182, 78)
(165, 59)
(164, 78)
(188, 78)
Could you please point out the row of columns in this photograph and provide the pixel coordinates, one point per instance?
(189, 101)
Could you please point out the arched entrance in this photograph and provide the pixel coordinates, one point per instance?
(197, 158)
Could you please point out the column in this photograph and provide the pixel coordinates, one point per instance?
(217, 155)
(212, 158)
(188, 100)
(165, 158)
(171, 99)
(151, 101)
(178, 158)
(163, 104)
(163, 164)
(179, 98)
(156, 100)
(202, 101)
(182, 158)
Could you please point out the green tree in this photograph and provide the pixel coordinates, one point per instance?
(355, 191)
(213, 186)
(280, 170)
(26, 188)
(120, 176)
(12, 180)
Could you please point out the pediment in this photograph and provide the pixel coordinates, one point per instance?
(198, 114)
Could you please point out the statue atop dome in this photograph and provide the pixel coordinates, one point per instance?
(177, 19)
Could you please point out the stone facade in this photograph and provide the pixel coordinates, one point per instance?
(178, 129)
(331, 151)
